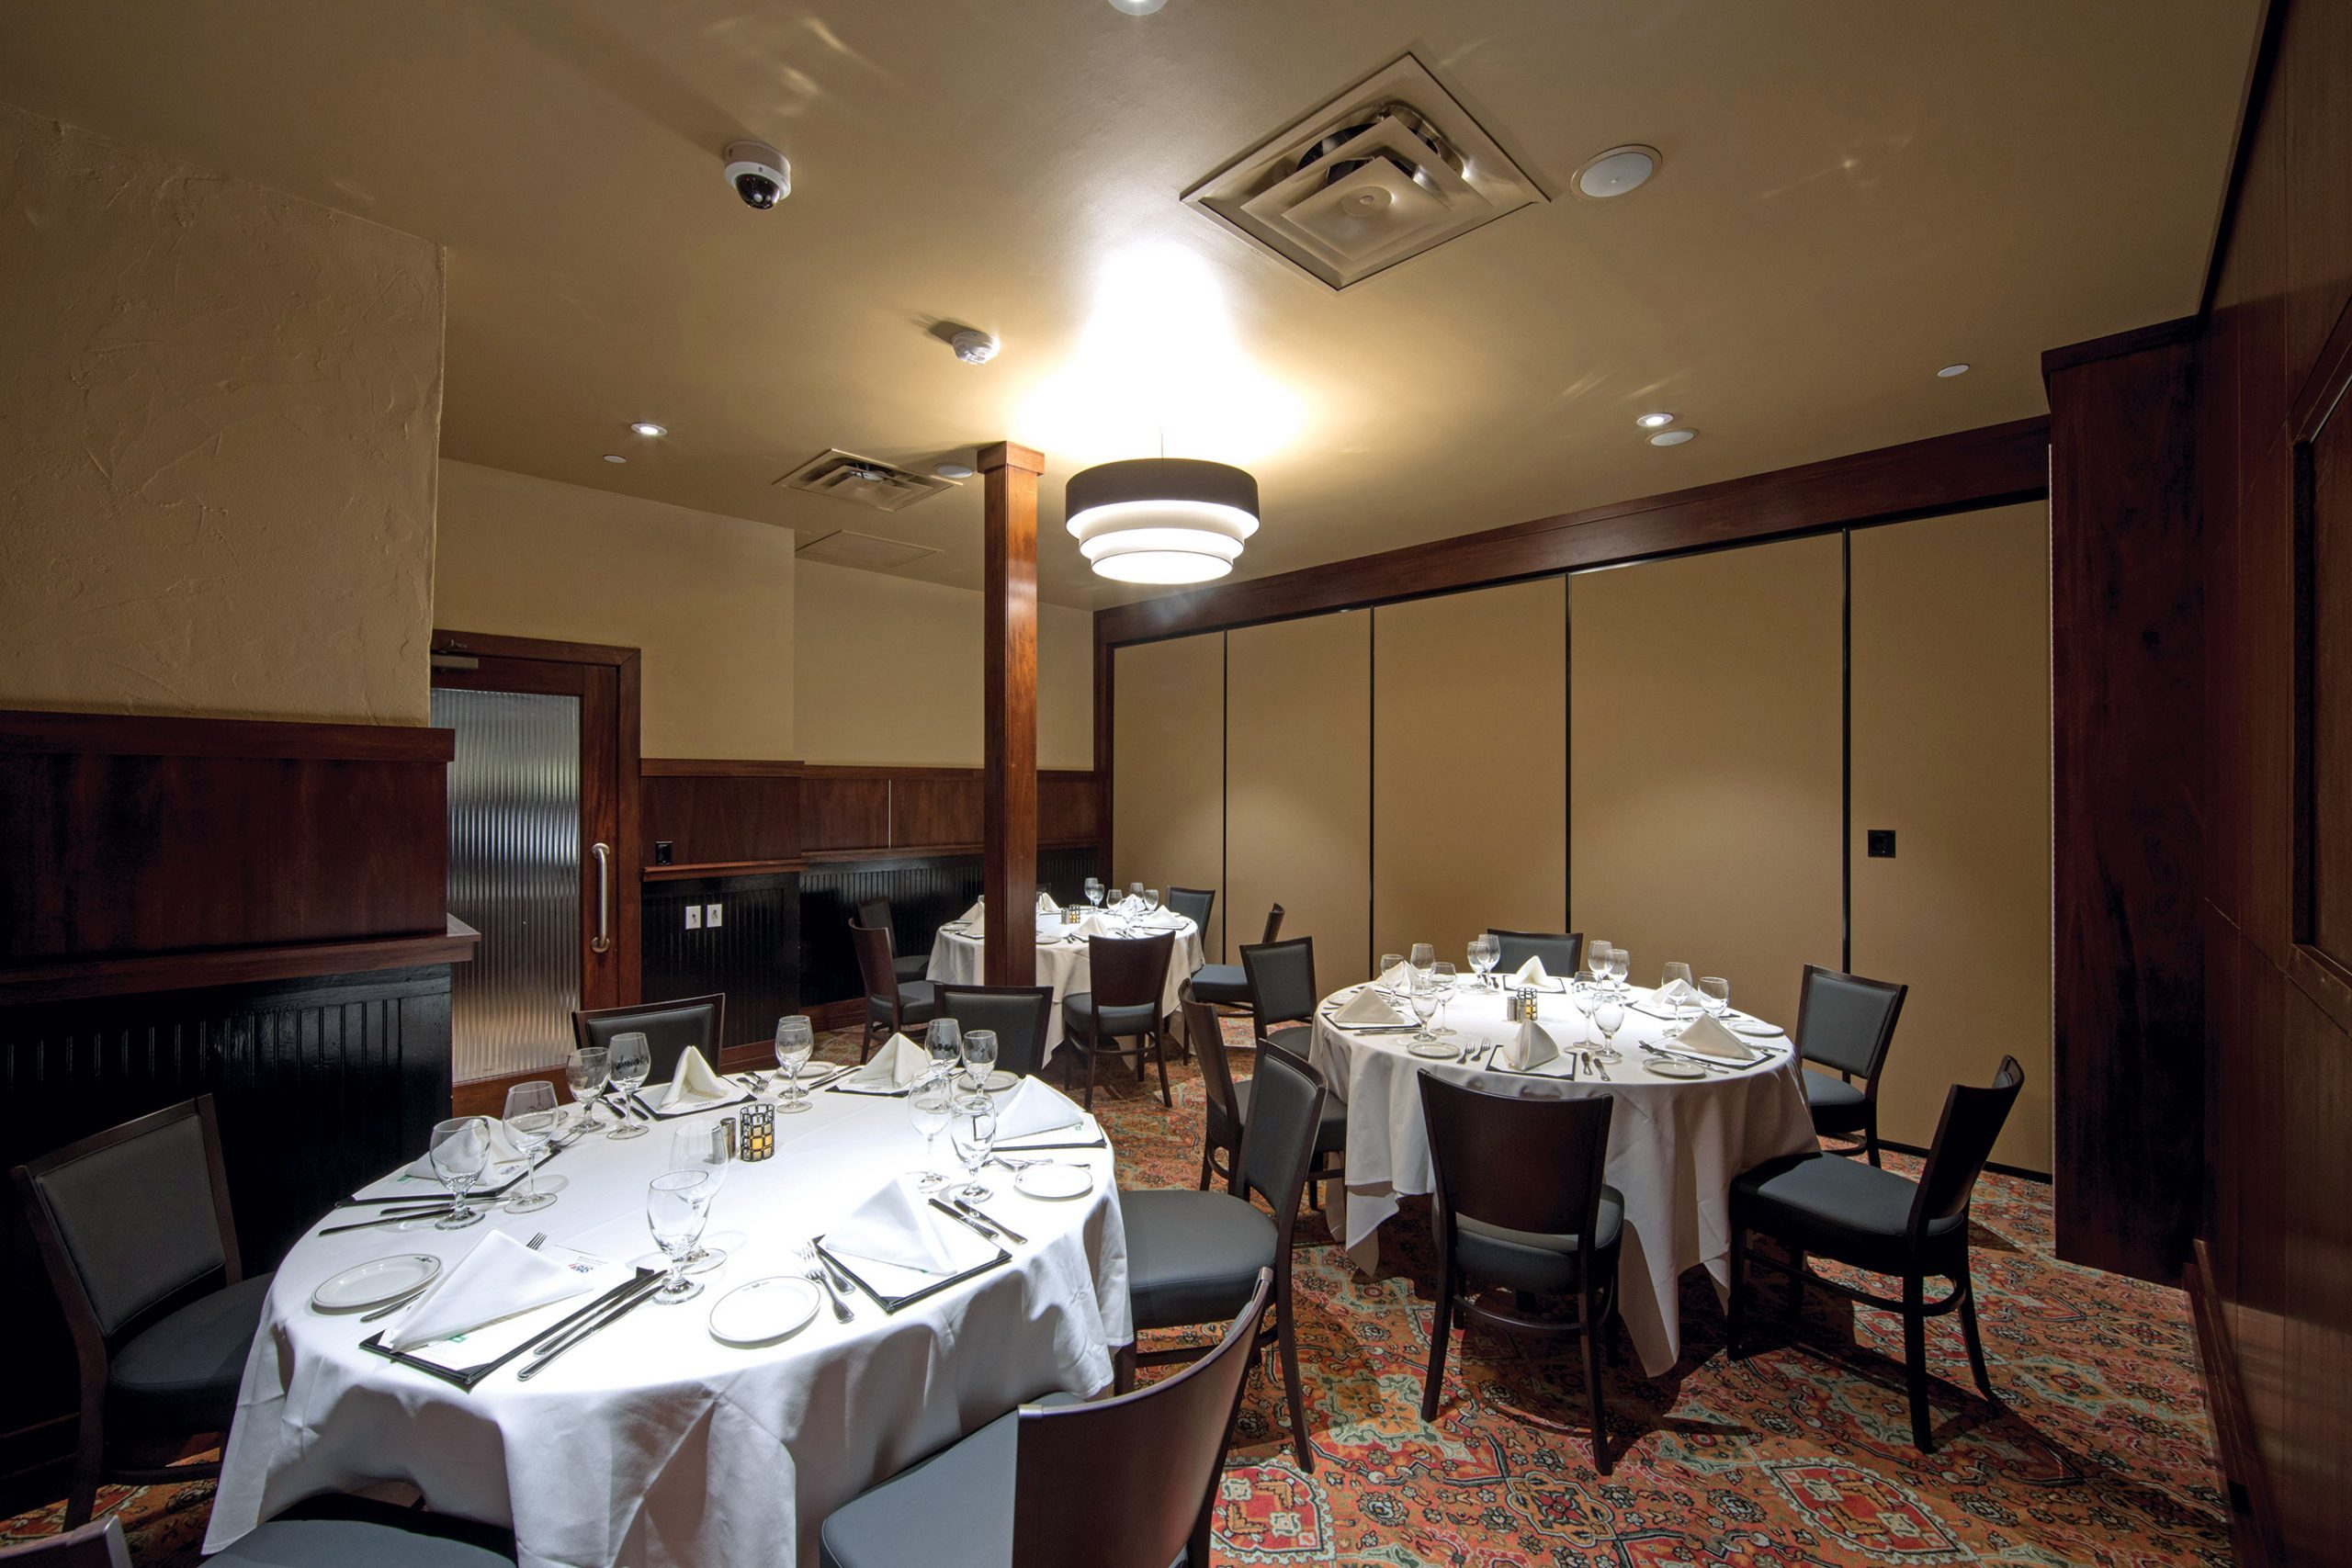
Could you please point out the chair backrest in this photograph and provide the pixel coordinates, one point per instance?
(1128, 971)
(1019, 1014)
(1273, 925)
(97, 1545)
(1846, 1022)
(129, 1218)
(1132, 1482)
(1207, 1037)
(1193, 904)
(1526, 1164)
(1282, 980)
(1562, 952)
(1972, 1120)
(1278, 1141)
(875, 912)
(668, 1027)
(875, 959)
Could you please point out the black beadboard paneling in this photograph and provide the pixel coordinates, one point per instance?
(753, 956)
(321, 1084)
(924, 895)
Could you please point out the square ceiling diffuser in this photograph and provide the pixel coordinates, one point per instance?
(862, 482)
(1390, 168)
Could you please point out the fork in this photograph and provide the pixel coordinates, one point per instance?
(816, 1271)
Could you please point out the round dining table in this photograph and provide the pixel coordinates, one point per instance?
(1675, 1145)
(956, 957)
(653, 1442)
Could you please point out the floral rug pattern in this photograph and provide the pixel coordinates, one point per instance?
(1798, 1455)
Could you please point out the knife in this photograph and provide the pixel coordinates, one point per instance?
(612, 1314)
(391, 1219)
(1027, 1148)
(1010, 1235)
(967, 1222)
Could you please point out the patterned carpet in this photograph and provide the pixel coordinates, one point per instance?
(1796, 1455)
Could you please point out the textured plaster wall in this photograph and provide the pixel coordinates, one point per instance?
(217, 427)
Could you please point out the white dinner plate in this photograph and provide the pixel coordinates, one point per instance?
(1434, 1050)
(763, 1311)
(1055, 1180)
(1000, 1080)
(376, 1281)
(1675, 1067)
(1756, 1026)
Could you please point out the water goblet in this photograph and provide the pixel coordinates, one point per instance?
(1422, 999)
(1621, 963)
(459, 1151)
(677, 1206)
(1094, 891)
(1609, 1017)
(1423, 955)
(586, 1071)
(531, 1119)
(971, 1132)
(928, 1108)
(980, 1058)
(1486, 951)
(796, 1038)
(943, 1038)
(1679, 999)
(1714, 995)
(632, 1061)
(703, 1150)
(1443, 978)
(1389, 963)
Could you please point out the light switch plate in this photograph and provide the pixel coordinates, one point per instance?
(711, 914)
(694, 917)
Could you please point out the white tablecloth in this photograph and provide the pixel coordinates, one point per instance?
(957, 960)
(653, 1443)
(1674, 1145)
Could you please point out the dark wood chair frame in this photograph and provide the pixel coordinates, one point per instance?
(942, 1007)
(1217, 1084)
(582, 1018)
(1120, 952)
(146, 1464)
(1868, 1147)
(874, 964)
(1232, 1009)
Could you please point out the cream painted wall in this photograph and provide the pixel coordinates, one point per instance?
(709, 599)
(216, 442)
(1167, 778)
(888, 671)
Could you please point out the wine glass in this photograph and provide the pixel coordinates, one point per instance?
(1150, 901)
(1486, 950)
(1422, 999)
(530, 1123)
(460, 1150)
(796, 1038)
(1584, 999)
(971, 1132)
(1135, 892)
(1444, 976)
(1714, 995)
(677, 1205)
(1389, 960)
(980, 1058)
(943, 1038)
(1423, 955)
(1621, 963)
(928, 1108)
(703, 1149)
(1094, 891)
(632, 1058)
(1609, 1017)
(585, 1071)
(1682, 998)
(1595, 958)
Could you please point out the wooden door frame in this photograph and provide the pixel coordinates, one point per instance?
(627, 849)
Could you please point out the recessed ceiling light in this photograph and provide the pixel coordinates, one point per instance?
(647, 428)
(615, 458)
(1949, 371)
(1673, 437)
(1138, 7)
(1616, 172)
(1655, 421)
(953, 470)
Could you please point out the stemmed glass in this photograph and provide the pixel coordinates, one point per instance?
(530, 1123)
(1586, 998)
(1443, 978)
(796, 1038)
(632, 1057)
(677, 1205)
(1094, 891)
(1486, 951)
(1596, 959)
(585, 1070)
(1389, 960)
(702, 1150)
(1150, 902)
(1135, 891)
(1621, 963)
(928, 1108)
(971, 1132)
(1673, 972)
(1423, 958)
(1714, 995)
(945, 1040)
(459, 1149)
(980, 1058)
(1422, 999)
(1610, 1016)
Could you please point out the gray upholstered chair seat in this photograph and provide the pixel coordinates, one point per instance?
(1077, 1016)
(1844, 1209)
(1525, 1260)
(334, 1531)
(1221, 985)
(1296, 1038)
(910, 967)
(181, 1374)
(1193, 1257)
(952, 1510)
(915, 1003)
(1330, 1130)
(1837, 1106)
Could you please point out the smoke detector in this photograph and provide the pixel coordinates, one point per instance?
(973, 347)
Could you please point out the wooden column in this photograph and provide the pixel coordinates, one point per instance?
(1009, 692)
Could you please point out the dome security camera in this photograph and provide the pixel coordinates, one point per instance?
(759, 174)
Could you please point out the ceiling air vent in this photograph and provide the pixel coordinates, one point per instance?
(865, 482)
(1390, 168)
(865, 551)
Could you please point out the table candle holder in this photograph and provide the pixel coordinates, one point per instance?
(756, 1138)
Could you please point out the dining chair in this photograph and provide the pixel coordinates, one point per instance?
(668, 1027)
(334, 1531)
(1193, 1257)
(1194, 904)
(892, 1005)
(1129, 981)
(97, 1545)
(1229, 1106)
(1228, 984)
(1562, 952)
(1876, 1220)
(1517, 1202)
(876, 913)
(134, 1229)
(1020, 1015)
(1281, 992)
(1129, 1481)
(1847, 1024)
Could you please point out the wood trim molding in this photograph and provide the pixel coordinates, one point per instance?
(28, 732)
(1964, 471)
(709, 869)
(232, 966)
(716, 768)
(2246, 1489)
(491, 645)
(2115, 345)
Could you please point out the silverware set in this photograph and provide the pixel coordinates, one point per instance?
(820, 1272)
(633, 1295)
(975, 1220)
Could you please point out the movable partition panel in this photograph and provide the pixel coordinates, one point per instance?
(1469, 766)
(1168, 773)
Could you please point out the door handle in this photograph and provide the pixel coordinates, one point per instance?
(603, 940)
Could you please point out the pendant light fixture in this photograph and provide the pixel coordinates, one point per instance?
(1162, 520)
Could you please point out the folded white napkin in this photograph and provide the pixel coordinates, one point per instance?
(1368, 1006)
(1678, 991)
(506, 1159)
(694, 1085)
(498, 1278)
(1096, 925)
(1399, 977)
(1532, 974)
(893, 1226)
(1532, 1049)
(1045, 904)
(1036, 1107)
(975, 921)
(900, 1062)
(1707, 1037)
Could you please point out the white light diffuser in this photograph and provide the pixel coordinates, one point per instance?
(1162, 520)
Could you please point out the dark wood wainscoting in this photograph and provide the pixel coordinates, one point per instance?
(753, 955)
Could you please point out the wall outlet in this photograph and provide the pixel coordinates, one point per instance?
(1882, 843)
(694, 917)
(662, 851)
(711, 913)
